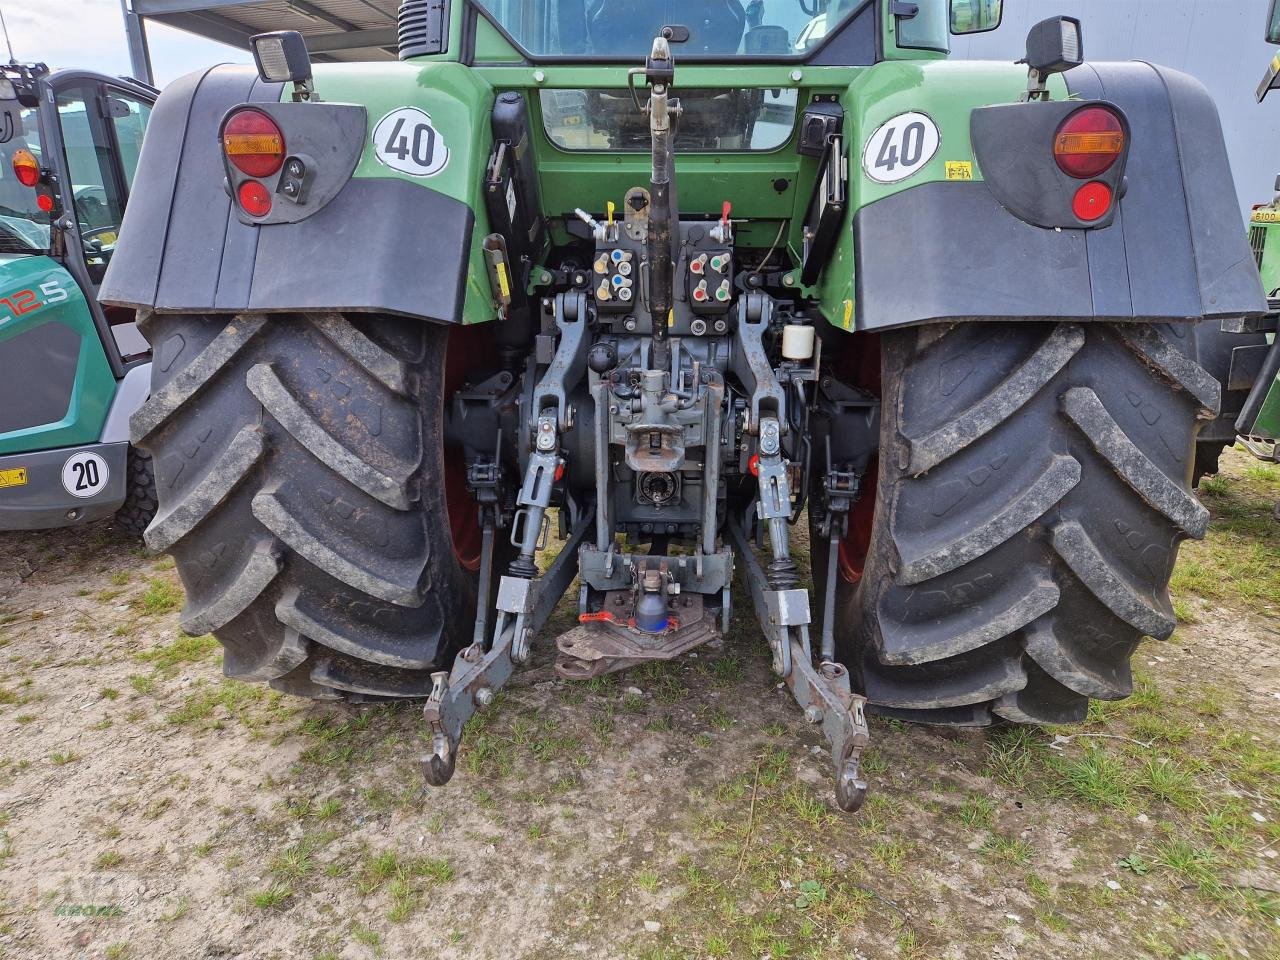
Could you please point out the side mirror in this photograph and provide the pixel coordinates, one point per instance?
(1273, 23)
(282, 57)
(975, 16)
(1053, 46)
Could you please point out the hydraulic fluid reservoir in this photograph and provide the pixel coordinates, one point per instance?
(797, 341)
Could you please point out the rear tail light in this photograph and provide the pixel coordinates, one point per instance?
(26, 168)
(1089, 143)
(1092, 201)
(255, 198)
(253, 143)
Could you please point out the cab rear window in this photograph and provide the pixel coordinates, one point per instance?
(712, 120)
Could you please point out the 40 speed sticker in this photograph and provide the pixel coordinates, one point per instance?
(900, 148)
(85, 475)
(406, 140)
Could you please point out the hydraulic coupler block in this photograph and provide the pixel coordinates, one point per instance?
(709, 280)
(613, 279)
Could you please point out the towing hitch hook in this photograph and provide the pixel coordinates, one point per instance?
(439, 763)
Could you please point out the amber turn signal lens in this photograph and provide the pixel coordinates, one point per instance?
(1089, 143)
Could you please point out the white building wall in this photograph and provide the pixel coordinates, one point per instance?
(1217, 41)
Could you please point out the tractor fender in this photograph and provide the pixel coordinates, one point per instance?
(377, 244)
(1175, 249)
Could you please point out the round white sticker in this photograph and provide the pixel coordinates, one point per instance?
(85, 475)
(900, 147)
(406, 140)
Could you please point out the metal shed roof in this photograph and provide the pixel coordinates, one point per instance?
(336, 30)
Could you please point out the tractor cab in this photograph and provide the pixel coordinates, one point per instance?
(75, 369)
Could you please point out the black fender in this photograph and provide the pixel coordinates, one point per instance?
(377, 244)
(1175, 250)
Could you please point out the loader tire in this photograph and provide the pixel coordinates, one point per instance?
(140, 504)
(305, 498)
(1034, 486)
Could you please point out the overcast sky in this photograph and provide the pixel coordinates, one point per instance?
(90, 34)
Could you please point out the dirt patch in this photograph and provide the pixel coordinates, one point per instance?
(148, 808)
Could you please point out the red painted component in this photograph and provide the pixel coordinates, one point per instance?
(857, 542)
(44, 201)
(1092, 201)
(1089, 143)
(559, 471)
(724, 213)
(253, 143)
(604, 616)
(255, 198)
(859, 364)
(465, 343)
(753, 465)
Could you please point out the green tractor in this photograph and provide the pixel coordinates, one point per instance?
(668, 281)
(75, 369)
(1259, 422)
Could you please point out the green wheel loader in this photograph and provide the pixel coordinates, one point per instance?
(74, 370)
(667, 281)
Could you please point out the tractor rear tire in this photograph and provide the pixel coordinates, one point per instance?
(1033, 489)
(304, 496)
(140, 504)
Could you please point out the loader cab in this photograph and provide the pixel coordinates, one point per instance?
(79, 134)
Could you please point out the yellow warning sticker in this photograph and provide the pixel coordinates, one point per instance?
(17, 477)
(1266, 216)
(959, 170)
(847, 322)
(504, 285)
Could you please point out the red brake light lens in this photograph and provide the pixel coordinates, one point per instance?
(1089, 143)
(26, 168)
(1092, 201)
(253, 142)
(255, 198)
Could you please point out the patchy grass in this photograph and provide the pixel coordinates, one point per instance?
(1239, 561)
(271, 898)
(161, 596)
(167, 658)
